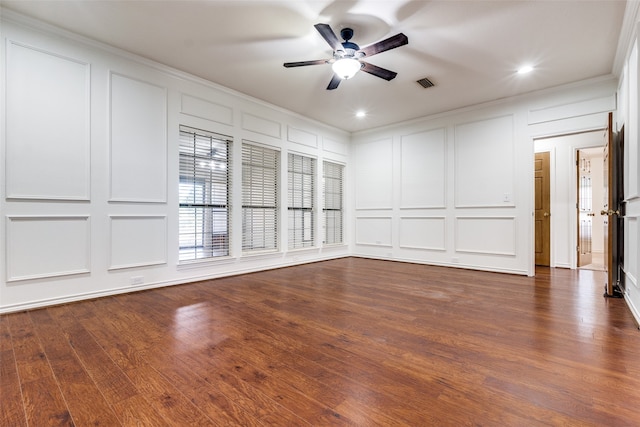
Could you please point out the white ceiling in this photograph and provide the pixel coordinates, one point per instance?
(469, 49)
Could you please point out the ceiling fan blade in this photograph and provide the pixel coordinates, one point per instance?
(335, 81)
(383, 73)
(303, 63)
(391, 43)
(327, 33)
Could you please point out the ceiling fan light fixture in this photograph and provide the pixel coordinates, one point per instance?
(525, 69)
(345, 68)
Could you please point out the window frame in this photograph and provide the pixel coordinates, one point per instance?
(330, 212)
(301, 200)
(260, 205)
(210, 239)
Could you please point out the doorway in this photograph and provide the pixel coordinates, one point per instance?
(563, 219)
(590, 195)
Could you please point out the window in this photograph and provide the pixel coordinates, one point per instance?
(203, 194)
(260, 169)
(301, 201)
(332, 174)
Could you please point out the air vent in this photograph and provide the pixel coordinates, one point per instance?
(425, 83)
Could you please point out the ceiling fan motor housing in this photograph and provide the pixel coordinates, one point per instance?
(349, 48)
(346, 34)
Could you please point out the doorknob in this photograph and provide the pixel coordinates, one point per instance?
(546, 214)
(609, 212)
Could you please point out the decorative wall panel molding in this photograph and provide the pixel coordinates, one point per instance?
(334, 146)
(48, 155)
(300, 136)
(632, 130)
(373, 231)
(137, 241)
(374, 174)
(494, 235)
(207, 110)
(573, 109)
(484, 163)
(423, 232)
(423, 174)
(261, 125)
(47, 246)
(138, 141)
(622, 104)
(631, 263)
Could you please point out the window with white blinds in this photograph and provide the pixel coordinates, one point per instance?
(204, 189)
(332, 178)
(260, 170)
(301, 172)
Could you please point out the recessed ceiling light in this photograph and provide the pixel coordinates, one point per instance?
(361, 114)
(525, 69)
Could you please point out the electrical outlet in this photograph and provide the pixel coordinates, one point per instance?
(137, 280)
(455, 260)
(507, 197)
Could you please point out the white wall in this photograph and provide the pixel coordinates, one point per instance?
(629, 95)
(456, 189)
(452, 189)
(89, 193)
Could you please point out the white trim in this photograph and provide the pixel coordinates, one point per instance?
(627, 34)
(456, 249)
(165, 139)
(87, 131)
(428, 248)
(87, 264)
(47, 302)
(445, 264)
(114, 267)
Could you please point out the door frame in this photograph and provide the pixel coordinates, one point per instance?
(539, 146)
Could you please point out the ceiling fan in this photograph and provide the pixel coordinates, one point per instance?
(347, 56)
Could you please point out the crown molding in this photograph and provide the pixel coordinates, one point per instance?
(628, 33)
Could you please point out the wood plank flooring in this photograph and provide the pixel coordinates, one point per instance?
(343, 342)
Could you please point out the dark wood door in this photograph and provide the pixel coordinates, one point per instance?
(609, 211)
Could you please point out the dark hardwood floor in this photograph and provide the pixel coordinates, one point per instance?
(343, 342)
